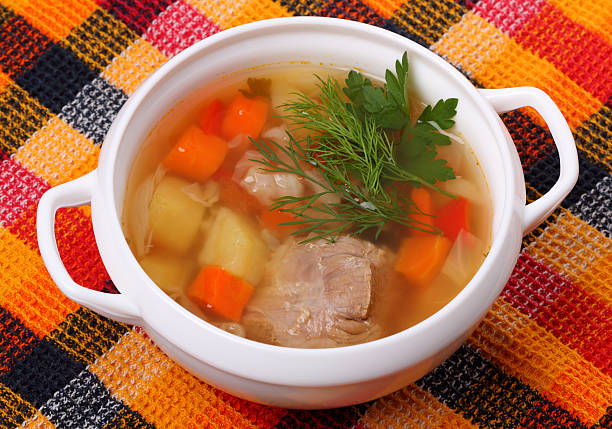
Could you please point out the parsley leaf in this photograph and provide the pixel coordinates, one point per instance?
(425, 164)
(441, 113)
(258, 87)
(388, 107)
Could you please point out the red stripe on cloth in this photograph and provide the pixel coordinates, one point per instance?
(262, 416)
(509, 16)
(576, 318)
(543, 414)
(136, 14)
(582, 55)
(19, 190)
(76, 244)
(178, 27)
(78, 249)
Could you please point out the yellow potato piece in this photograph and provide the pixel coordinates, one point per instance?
(235, 245)
(169, 272)
(174, 217)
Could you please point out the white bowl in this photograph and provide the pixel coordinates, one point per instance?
(302, 378)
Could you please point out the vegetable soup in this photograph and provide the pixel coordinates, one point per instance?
(305, 206)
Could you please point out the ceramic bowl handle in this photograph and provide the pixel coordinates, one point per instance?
(75, 193)
(504, 100)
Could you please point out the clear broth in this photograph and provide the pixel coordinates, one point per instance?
(396, 305)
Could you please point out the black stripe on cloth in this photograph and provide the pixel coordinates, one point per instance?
(605, 421)
(16, 341)
(56, 77)
(354, 10)
(44, 371)
(94, 108)
(426, 21)
(337, 418)
(595, 207)
(533, 142)
(300, 7)
(87, 335)
(20, 43)
(128, 419)
(20, 117)
(99, 39)
(468, 4)
(544, 173)
(594, 135)
(14, 410)
(83, 403)
(470, 384)
(136, 14)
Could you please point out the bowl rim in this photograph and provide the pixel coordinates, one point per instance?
(391, 346)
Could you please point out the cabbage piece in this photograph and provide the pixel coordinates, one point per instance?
(264, 186)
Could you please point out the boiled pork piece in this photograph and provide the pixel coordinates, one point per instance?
(317, 294)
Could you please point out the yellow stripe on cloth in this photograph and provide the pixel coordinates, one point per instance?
(58, 153)
(589, 138)
(37, 422)
(26, 290)
(412, 407)
(130, 366)
(527, 351)
(22, 114)
(578, 251)
(497, 61)
(133, 65)
(425, 19)
(230, 13)
(54, 19)
(385, 8)
(13, 408)
(5, 81)
(138, 373)
(594, 15)
(84, 335)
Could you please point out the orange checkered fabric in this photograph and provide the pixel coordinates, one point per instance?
(542, 356)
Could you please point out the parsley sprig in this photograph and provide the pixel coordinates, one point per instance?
(362, 143)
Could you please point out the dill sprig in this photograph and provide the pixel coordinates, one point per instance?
(350, 151)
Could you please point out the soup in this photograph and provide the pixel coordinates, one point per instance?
(307, 206)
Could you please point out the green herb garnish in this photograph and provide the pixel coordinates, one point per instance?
(258, 87)
(360, 141)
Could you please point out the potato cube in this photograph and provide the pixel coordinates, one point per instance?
(174, 217)
(170, 273)
(235, 245)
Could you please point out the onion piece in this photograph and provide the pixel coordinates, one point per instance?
(464, 258)
(207, 194)
(138, 221)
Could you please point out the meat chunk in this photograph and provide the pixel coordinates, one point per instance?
(317, 294)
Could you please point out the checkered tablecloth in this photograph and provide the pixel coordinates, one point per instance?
(541, 358)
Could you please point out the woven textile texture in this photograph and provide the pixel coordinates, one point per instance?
(542, 356)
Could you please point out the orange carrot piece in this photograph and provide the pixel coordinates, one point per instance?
(421, 257)
(272, 220)
(422, 199)
(453, 217)
(234, 153)
(234, 196)
(196, 155)
(244, 116)
(211, 117)
(219, 291)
